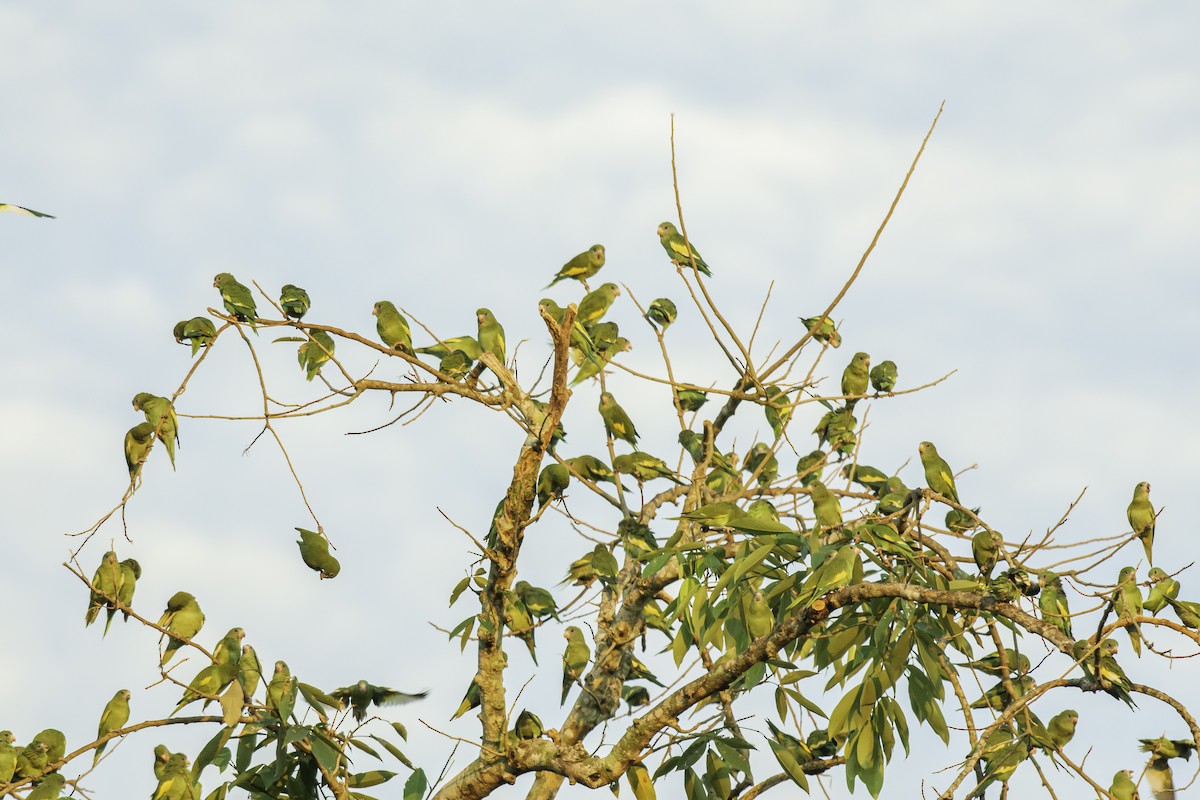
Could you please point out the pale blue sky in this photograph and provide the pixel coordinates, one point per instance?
(453, 156)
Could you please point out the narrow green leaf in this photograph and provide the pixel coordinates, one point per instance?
(366, 748)
(395, 751)
(365, 780)
(415, 786)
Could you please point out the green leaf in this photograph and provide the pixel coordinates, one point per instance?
(219, 793)
(790, 764)
(317, 698)
(415, 786)
(364, 780)
(247, 743)
(210, 750)
(401, 730)
(295, 733)
(366, 748)
(395, 751)
(640, 783)
(288, 701)
(459, 588)
(326, 753)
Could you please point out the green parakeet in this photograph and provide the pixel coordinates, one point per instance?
(582, 266)
(467, 344)
(528, 725)
(1053, 603)
(1158, 775)
(314, 549)
(362, 694)
(1141, 518)
(1002, 765)
(1123, 787)
(392, 326)
(22, 211)
(294, 301)
(644, 467)
(8, 756)
(31, 760)
(137, 445)
(591, 367)
(883, 376)
(1162, 747)
(519, 622)
(760, 455)
(575, 659)
(762, 509)
(778, 409)
(985, 549)
(617, 423)
(635, 696)
(472, 699)
(640, 672)
(456, 365)
(834, 572)
(491, 334)
(759, 619)
(106, 582)
(197, 331)
(584, 346)
(1015, 662)
(959, 521)
(228, 652)
(679, 250)
(1110, 676)
(50, 788)
(837, 428)
(162, 757)
(997, 698)
(538, 602)
(1127, 602)
(176, 781)
(55, 741)
(249, 671)
(1163, 589)
(315, 353)
(591, 468)
(869, 478)
(1188, 613)
(208, 683)
(662, 312)
(856, 377)
(160, 413)
(827, 510)
(1061, 728)
(823, 330)
(183, 619)
(114, 717)
(690, 399)
(552, 482)
(131, 570)
(280, 686)
(596, 303)
(238, 300)
(808, 468)
(938, 475)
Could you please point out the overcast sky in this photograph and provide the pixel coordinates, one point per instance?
(449, 157)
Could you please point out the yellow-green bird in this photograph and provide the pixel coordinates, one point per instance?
(883, 376)
(315, 353)
(467, 344)
(314, 550)
(662, 312)
(294, 301)
(1053, 603)
(808, 468)
(491, 334)
(596, 303)
(249, 671)
(993, 664)
(617, 423)
(183, 619)
(856, 378)
(281, 686)
(690, 399)
(644, 467)
(938, 475)
(1127, 602)
(778, 409)
(575, 659)
(160, 413)
(49, 788)
(985, 549)
(197, 331)
(361, 695)
(823, 330)
(1123, 787)
(106, 583)
(582, 266)
(23, 211)
(1141, 518)
(679, 250)
(8, 756)
(238, 300)
(1188, 613)
(131, 570)
(392, 326)
(1163, 589)
(552, 482)
(827, 510)
(114, 717)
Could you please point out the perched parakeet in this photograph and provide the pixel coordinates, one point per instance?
(679, 250)
(552, 482)
(24, 212)
(1163, 589)
(600, 563)
(491, 334)
(1127, 602)
(662, 312)
(8, 756)
(575, 659)
(856, 377)
(467, 344)
(183, 619)
(114, 717)
(137, 445)
(176, 781)
(591, 367)
(1001, 765)
(869, 478)
(208, 683)
(640, 672)
(50, 787)
(197, 331)
(997, 698)
(938, 475)
(228, 652)
(834, 572)
(362, 694)
(759, 619)
(1141, 518)
(596, 303)
(131, 570)
(583, 344)
(1188, 613)
(280, 686)
(1061, 728)
(314, 549)
(528, 725)
(162, 756)
(985, 549)
(837, 428)
(827, 510)
(993, 664)
(238, 300)
(644, 467)
(1053, 603)
(635, 696)
(690, 399)
(760, 459)
(808, 468)
(883, 376)
(294, 301)
(1110, 676)
(392, 326)
(591, 468)
(55, 741)
(582, 266)
(617, 423)
(959, 521)
(823, 330)
(472, 699)
(778, 409)
(249, 671)
(519, 622)
(31, 760)
(538, 601)
(106, 582)
(315, 353)
(160, 413)
(456, 365)
(1123, 787)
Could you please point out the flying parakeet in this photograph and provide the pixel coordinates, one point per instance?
(24, 212)
(596, 303)
(662, 312)
(314, 549)
(238, 300)
(315, 353)
(197, 331)
(362, 694)
(938, 475)
(114, 717)
(183, 619)
(1163, 589)
(491, 334)
(1141, 518)
(160, 413)
(582, 266)
(392, 326)
(823, 330)
(575, 659)
(883, 376)
(617, 423)
(1127, 602)
(855, 378)
(1158, 775)
(552, 482)
(679, 250)
(294, 301)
